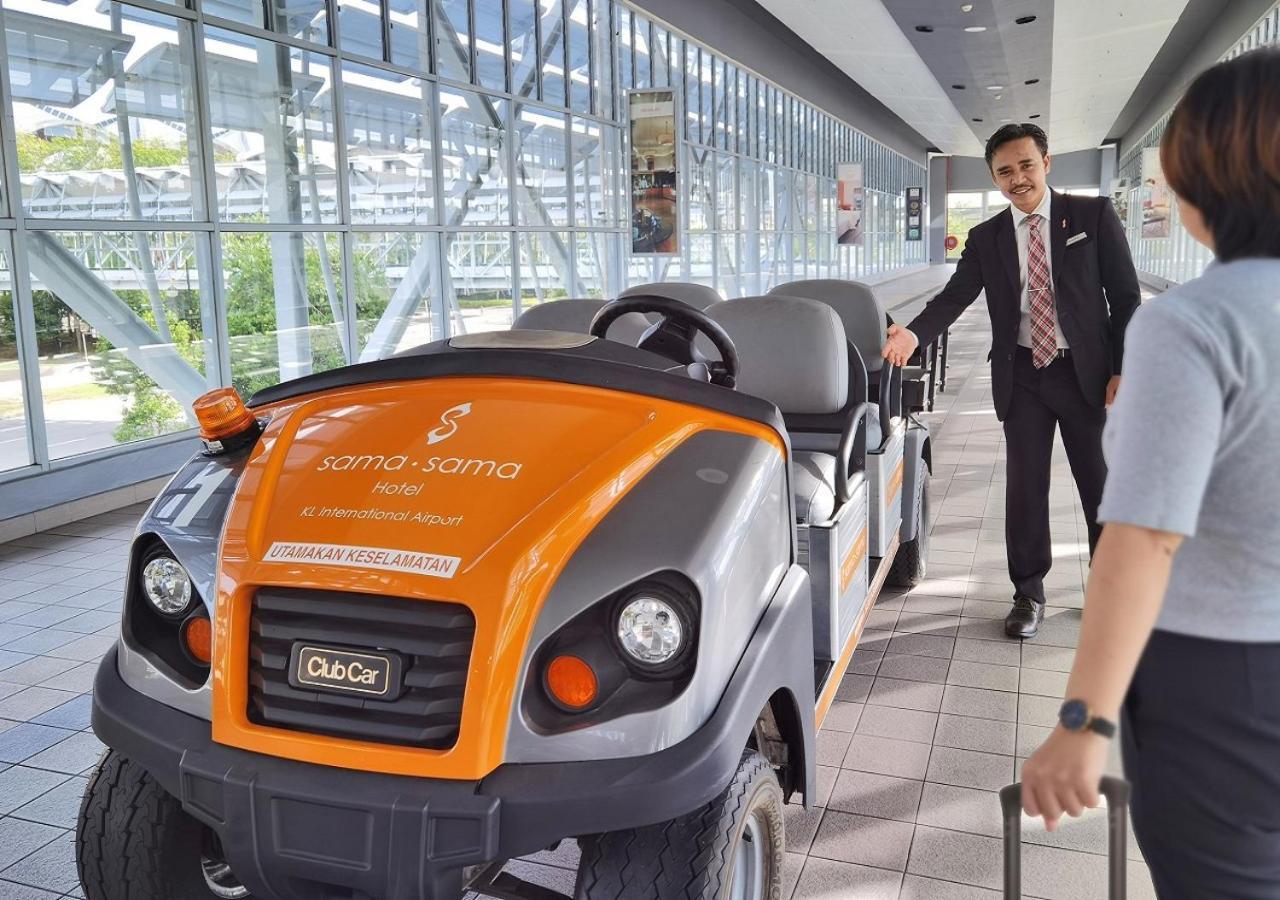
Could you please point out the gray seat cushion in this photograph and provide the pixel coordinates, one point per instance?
(861, 313)
(576, 316)
(813, 483)
(698, 296)
(791, 352)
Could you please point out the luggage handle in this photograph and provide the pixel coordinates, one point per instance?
(1116, 790)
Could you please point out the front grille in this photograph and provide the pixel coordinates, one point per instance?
(433, 639)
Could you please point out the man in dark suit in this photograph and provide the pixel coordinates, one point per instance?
(1060, 288)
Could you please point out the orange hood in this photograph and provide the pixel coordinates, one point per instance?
(470, 490)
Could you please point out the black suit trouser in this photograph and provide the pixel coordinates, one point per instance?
(1045, 400)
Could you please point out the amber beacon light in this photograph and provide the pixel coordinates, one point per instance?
(225, 422)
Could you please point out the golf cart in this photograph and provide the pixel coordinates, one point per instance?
(404, 621)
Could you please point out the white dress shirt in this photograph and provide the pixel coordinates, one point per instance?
(1021, 231)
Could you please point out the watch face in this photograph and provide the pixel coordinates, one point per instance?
(1074, 715)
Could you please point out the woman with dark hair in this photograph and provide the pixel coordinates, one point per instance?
(1181, 631)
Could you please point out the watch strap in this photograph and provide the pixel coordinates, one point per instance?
(1104, 727)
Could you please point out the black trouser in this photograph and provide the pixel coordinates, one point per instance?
(1045, 399)
(1201, 742)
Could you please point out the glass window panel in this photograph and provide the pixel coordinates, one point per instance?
(626, 53)
(742, 122)
(105, 129)
(701, 183)
(303, 19)
(811, 208)
(121, 326)
(603, 74)
(360, 28)
(397, 277)
(453, 39)
(390, 165)
(271, 109)
(546, 266)
(579, 57)
(524, 47)
(285, 306)
(594, 251)
(640, 36)
(410, 44)
(479, 286)
(540, 176)
(597, 167)
(474, 163)
(701, 269)
(491, 43)
(727, 271)
(15, 448)
(660, 58)
(707, 98)
(726, 193)
(693, 92)
(553, 88)
(768, 198)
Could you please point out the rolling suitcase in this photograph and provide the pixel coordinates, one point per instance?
(1116, 790)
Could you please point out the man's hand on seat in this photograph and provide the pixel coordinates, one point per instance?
(901, 344)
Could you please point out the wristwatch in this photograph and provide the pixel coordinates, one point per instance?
(1075, 716)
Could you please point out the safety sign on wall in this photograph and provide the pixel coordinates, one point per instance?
(915, 213)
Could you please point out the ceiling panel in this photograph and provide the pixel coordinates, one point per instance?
(1101, 49)
(862, 38)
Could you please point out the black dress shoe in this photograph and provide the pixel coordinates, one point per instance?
(1024, 619)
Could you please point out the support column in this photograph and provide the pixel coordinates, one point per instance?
(936, 207)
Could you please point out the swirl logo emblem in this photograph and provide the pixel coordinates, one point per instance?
(448, 423)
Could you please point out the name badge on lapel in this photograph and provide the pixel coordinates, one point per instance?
(1077, 238)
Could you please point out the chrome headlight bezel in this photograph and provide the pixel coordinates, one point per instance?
(167, 586)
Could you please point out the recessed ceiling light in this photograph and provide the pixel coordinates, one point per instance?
(924, 29)
(975, 29)
(1025, 20)
(995, 87)
(1033, 81)
(966, 7)
(1036, 116)
(977, 120)
(1006, 120)
(999, 96)
(958, 87)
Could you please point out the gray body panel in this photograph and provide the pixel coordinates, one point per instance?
(188, 516)
(718, 511)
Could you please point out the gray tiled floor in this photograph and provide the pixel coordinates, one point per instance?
(937, 712)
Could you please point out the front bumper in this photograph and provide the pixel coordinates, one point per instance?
(298, 831)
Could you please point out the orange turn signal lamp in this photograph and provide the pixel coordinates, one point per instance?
(571, 682)
(223, 417)
(197, 637)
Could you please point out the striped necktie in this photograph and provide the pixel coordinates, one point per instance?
(1044, 339)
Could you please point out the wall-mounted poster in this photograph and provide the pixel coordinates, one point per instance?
(654, 201)
(1156, 198)
(849, 203)
(1119, 192)
(915, 213)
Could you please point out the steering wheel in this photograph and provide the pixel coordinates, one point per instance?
(674, 334)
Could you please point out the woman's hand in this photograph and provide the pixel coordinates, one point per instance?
(1063, 775)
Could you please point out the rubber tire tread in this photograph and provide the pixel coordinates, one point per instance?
(133, 839)
(688, 858)
(909, 563)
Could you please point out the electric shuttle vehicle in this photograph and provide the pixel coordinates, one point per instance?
(595, 578)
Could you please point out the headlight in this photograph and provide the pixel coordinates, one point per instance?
(167, 585)
(650, 631)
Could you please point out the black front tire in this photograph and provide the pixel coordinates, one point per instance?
(135, 842)
(692, 857)
(911, 563)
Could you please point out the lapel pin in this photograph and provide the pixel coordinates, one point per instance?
(1064, 224)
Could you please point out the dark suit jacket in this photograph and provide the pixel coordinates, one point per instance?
(1095, 289)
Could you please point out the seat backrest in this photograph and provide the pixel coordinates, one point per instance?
(576, 316)
(791, 352)
(862, 315)
(698, 296)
